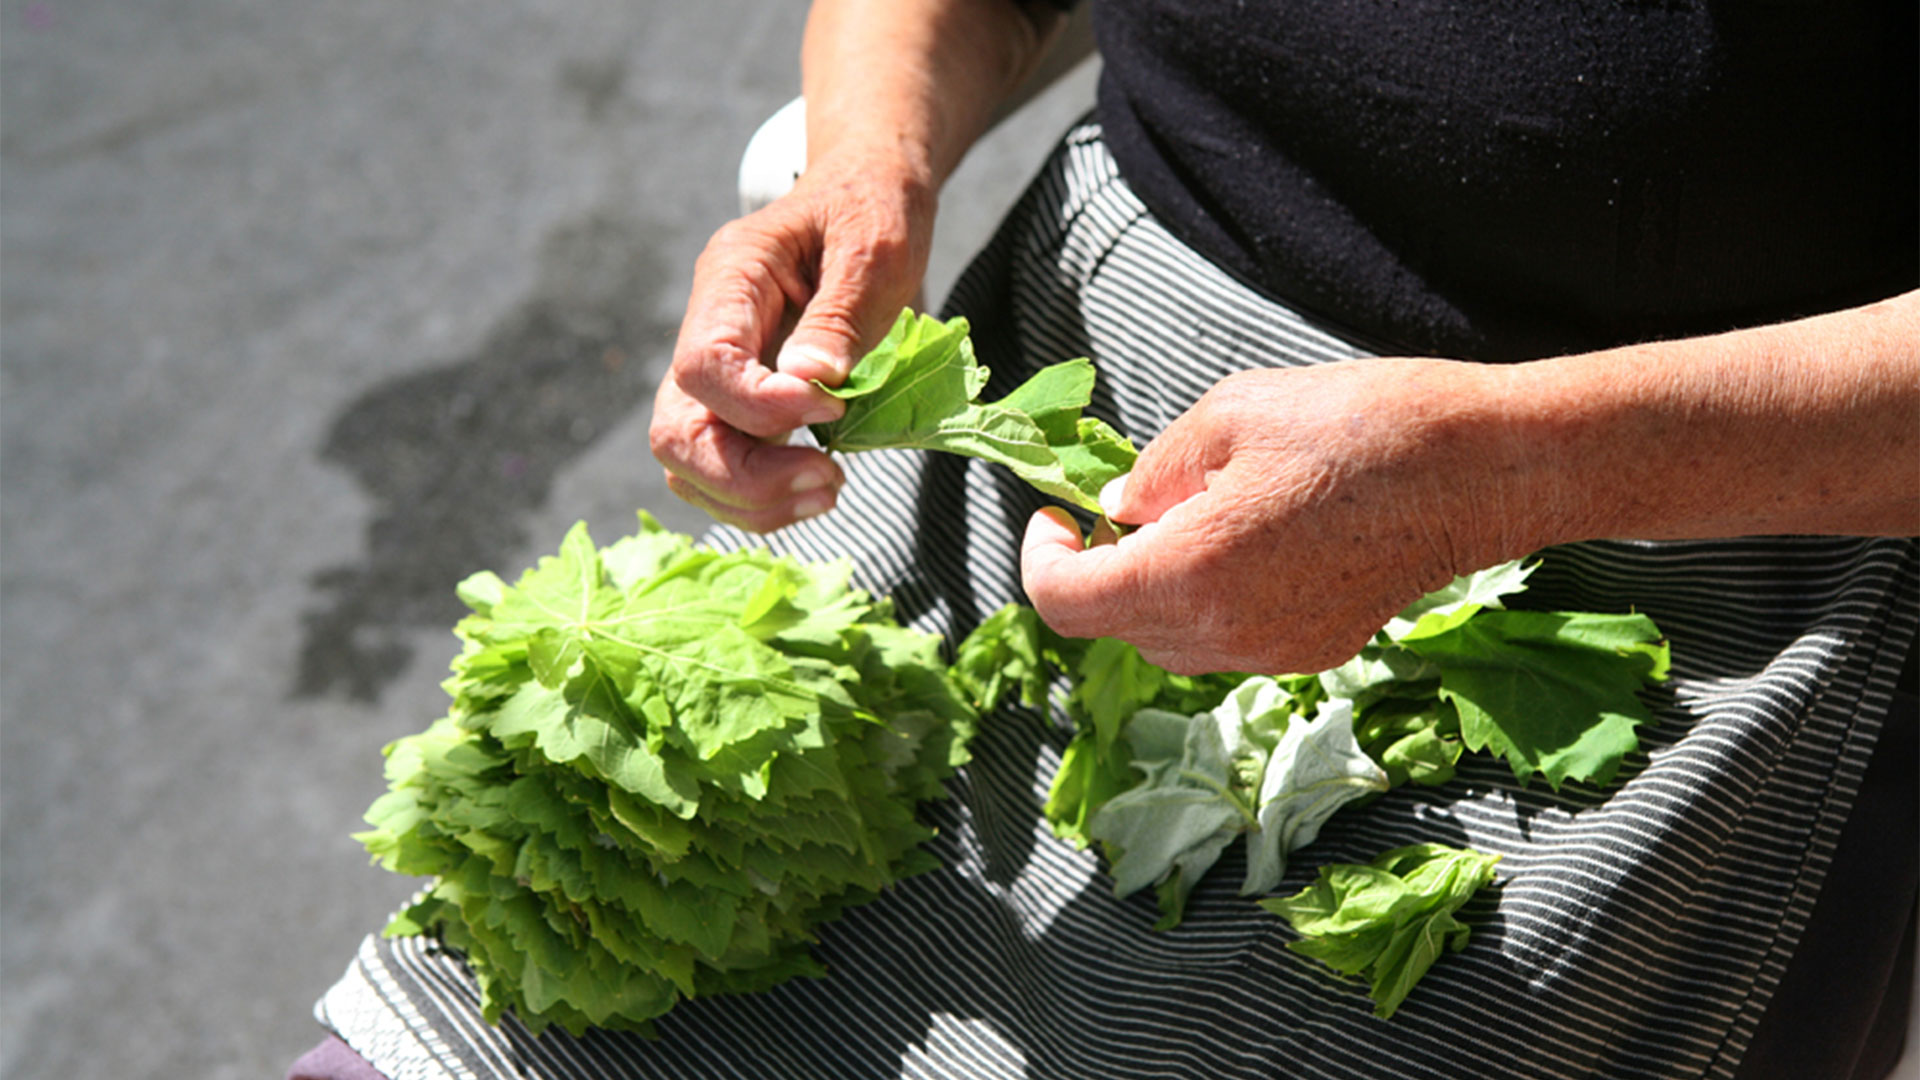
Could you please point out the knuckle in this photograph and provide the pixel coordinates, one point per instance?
(723, 247)
(749, 255)
(668, 442)
(749, 232)
(697, 454)
(876, 255)
(662, 443)
(880, 249)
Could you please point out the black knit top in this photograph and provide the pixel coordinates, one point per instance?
(1502, 179)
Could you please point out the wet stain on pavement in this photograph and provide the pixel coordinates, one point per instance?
(456, 457)
(596, 83)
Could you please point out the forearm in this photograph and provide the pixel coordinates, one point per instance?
(1804, 427)
(913, 85)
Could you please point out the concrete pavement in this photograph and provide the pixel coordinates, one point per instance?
(307, 311)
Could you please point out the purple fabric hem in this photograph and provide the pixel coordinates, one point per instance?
(333, 1059)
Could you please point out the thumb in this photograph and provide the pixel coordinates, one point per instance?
(821, 347)
(1177, 465)
(849, 314)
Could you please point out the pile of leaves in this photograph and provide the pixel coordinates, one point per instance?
(1164, 772)
(663, 766)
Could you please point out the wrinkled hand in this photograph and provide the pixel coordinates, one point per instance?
(1282, 520)
(795, 292)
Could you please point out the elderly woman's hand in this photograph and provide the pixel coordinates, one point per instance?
(800, 290)
(792, 293)
(1281, 521)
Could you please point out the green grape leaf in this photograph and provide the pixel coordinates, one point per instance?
(1554, 693)
(919, 389)
(1389, 920)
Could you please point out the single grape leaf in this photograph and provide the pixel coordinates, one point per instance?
(1457, 601)
(586, 721)
(1114, 681)
(1001, 655)
(1316, 769)
(1182, 815)
(1082, 784)
(919, 389)
(1552, 692)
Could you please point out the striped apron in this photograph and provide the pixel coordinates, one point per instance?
(1635, 931)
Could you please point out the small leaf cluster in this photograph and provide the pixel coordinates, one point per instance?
(1253, 766)
(1554, 694)
(663, 767)
(1013, 653)
(1388, 920)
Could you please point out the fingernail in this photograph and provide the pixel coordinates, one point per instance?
(813, 506)
(1042, 536)
(822, 408)
(1113, 494)
(809, 362)
(811, 480)
(1060, 517)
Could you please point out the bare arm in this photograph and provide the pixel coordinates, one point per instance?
(896, 93)
(915, 84)
(1805, 427)
(1290, 513)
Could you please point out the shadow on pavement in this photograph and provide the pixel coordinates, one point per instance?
(455, 458)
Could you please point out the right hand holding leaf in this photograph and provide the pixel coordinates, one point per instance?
(793, 293)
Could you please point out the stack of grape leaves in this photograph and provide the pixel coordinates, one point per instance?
(662, 768)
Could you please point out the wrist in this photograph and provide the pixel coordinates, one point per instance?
(881, 161)
(1538, 438)
(1505, 471)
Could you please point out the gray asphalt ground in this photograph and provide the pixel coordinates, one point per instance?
(306, 312)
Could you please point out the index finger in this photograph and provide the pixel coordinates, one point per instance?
(1078, 591)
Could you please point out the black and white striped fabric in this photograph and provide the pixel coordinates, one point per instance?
(1636, 931)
